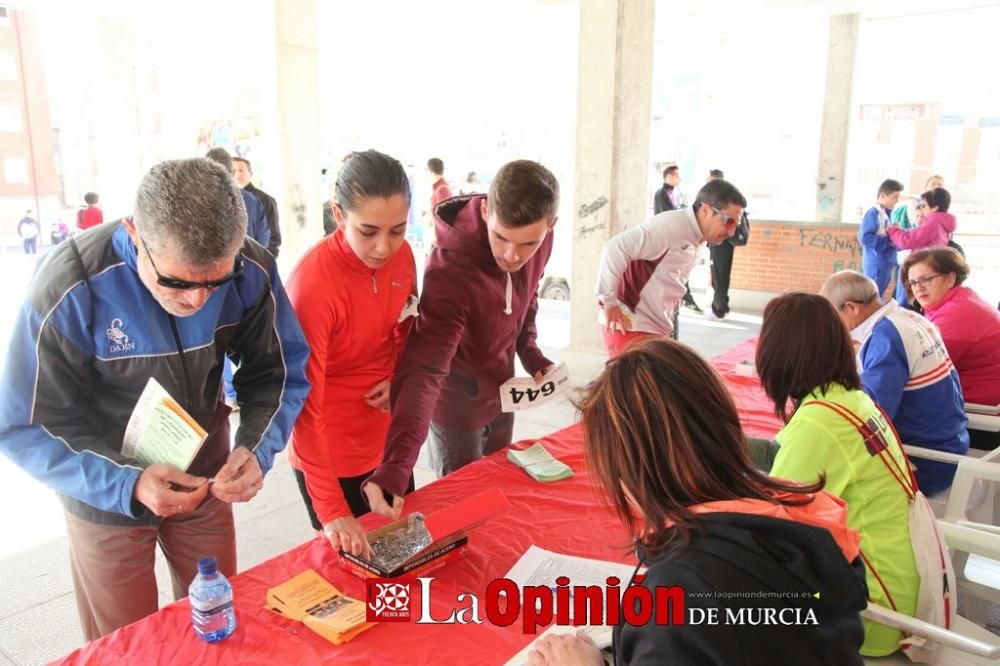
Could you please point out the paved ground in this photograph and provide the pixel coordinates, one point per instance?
(38, 619)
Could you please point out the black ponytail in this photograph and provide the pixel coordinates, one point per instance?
(368, 174)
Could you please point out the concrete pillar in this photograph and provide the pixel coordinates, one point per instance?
(614, 107)
(841, 51)
(300, 196)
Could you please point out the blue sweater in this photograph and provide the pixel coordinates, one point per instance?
(906, 370)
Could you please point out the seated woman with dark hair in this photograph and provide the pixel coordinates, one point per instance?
(836, 432)
(970, 327)
(663, 440)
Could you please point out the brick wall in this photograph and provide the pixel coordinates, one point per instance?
(794, 256)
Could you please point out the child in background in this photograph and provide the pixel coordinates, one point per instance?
(879, 254)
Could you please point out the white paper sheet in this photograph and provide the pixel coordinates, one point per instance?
(541, 567)
(523, 393)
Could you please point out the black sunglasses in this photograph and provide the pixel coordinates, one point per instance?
(174, 283)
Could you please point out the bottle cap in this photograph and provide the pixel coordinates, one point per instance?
(208, 566)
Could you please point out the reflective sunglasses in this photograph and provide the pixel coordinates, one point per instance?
(726, 217)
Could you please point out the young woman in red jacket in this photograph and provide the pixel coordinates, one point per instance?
(355, 296)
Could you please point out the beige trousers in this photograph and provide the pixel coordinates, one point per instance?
(113, 565)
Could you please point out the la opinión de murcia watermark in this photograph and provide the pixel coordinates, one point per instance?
(388, 600)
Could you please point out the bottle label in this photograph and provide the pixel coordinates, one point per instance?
(211, 611)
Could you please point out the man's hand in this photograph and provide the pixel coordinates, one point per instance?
(240, 478)
(378, 396)
(167, 491)
(376, 500)
(566, 650)
(347, 534)
(616, 319)
(540, 375)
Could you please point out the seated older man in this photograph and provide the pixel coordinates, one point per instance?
(906, 369)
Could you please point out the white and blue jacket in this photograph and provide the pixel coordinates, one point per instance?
(876, 250)
(906, 369)
(90, 335)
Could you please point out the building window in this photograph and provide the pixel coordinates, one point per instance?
(15, 170)
(10, 119)
(4, 19)
(8, 67)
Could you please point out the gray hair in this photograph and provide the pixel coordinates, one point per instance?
(193, 208)
(849, 287)
(221, 156)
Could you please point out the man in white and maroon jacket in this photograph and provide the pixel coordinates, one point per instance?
(643, 270)
(477, 309)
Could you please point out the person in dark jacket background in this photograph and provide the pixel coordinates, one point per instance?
(667, 198)
(257, 227)
(663, 439)
(477, 309)
(164, 295)
(243, 173)
(258, 230)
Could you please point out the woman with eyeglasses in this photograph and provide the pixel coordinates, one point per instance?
(663, 441)
(355, 295)
(970, 327)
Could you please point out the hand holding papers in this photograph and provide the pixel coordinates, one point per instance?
(164, 439)
(524, 392)
(542, 567)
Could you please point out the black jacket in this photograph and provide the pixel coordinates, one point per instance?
(735, 558)
(271, 213)
(661, 200)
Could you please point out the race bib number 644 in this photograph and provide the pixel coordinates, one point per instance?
(523, 393)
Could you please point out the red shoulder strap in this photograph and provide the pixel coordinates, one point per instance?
(871, 437)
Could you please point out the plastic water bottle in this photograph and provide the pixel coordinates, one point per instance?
(211, 598)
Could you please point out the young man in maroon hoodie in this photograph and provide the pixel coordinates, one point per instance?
(477, 308)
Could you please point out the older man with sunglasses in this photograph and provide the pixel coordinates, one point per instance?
(165, 294)
(641, 278)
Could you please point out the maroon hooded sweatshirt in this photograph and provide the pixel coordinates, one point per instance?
(462, 346)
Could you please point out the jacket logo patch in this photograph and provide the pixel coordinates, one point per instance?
(119, 339)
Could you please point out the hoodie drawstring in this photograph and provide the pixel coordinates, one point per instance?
(509, 295)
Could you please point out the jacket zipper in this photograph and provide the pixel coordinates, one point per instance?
(188, 386)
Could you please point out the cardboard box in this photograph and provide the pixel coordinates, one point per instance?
(448, 528)
(429, 559)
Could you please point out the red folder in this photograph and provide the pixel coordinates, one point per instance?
(466, 514)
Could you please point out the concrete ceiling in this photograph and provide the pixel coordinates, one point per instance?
(706, 17)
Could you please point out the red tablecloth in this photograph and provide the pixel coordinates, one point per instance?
(565, 517)
(756, 409)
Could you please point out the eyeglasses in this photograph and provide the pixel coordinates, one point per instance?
(726, 217)
(174, 283)
(923, 281)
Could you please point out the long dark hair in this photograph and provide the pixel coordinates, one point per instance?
(368, 174)
(661, 428)
(803, 345)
